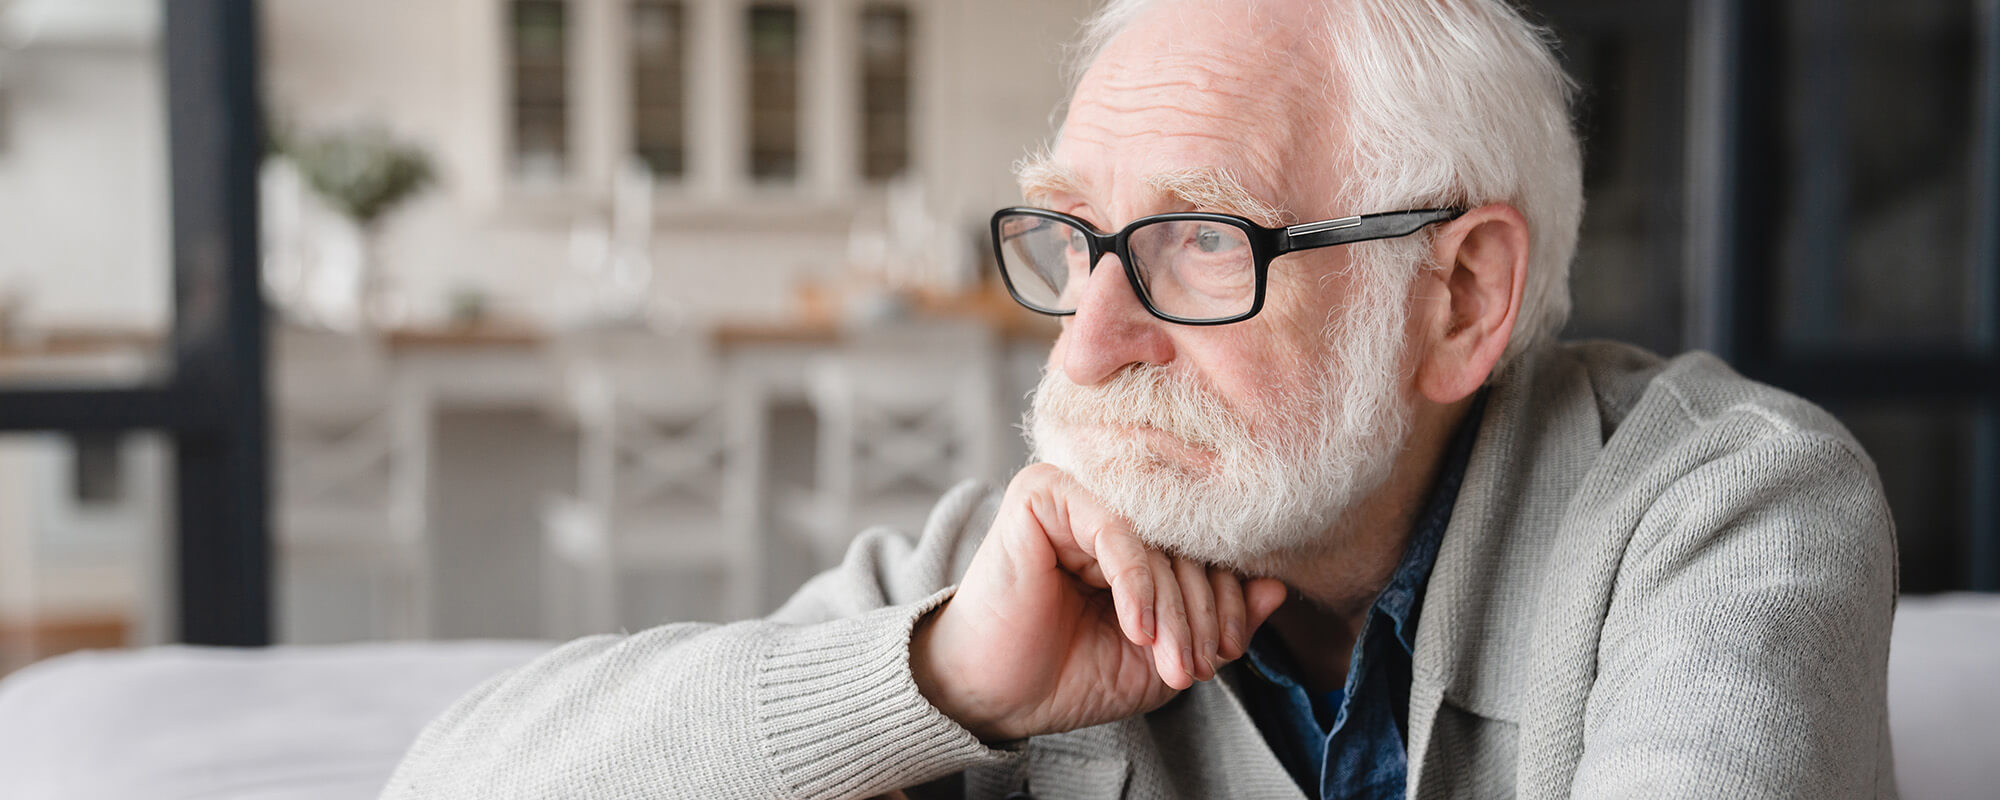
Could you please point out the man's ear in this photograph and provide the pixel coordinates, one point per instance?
(1474, 296)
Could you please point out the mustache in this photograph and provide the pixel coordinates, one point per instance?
(1140, 395)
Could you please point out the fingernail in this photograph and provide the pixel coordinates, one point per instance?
(1213, 656)
(1146, 622)
(1235, 634)
(1187, 661)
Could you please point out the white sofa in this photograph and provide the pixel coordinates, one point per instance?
(329, 723)
(1944, 697)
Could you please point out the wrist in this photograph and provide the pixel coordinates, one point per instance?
(940, 682)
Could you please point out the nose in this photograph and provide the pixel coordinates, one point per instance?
(1110, 329)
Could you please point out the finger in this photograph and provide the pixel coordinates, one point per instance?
(1199, 598)
(1230, 611)
(1130, 573)
(1173, 654)
(1262, 596)
(1100, 549)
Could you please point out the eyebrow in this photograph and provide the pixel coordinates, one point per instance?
(1208, 188)
(1212, 188)
(1040, 176)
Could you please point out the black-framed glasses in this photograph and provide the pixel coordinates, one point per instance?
(1187, 268)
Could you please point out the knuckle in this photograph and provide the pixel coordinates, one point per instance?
(1035, 479)
(1131, 575)
(1040, 476)
(1036, 471)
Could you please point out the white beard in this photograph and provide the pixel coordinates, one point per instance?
(1257, 499)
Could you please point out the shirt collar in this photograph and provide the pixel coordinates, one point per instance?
(1402, 599)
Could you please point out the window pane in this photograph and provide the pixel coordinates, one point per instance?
(82, 543)
(885, 91)
(659, 119)
(774, 92)
(86, 283)
(1625, 282)
(1878, 131)
(541, 91)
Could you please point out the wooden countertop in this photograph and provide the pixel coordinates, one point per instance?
(817, 318)
(815, 321)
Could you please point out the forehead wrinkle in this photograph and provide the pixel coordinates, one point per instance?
(1204, 106)
(1201, 185)
(1229, 117)
(1241, 84)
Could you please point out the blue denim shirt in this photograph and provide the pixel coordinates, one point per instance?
(1349, 742)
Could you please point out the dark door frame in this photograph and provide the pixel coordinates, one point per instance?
(213, 402)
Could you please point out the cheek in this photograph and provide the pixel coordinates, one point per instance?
(1262, 370)
(1292, 337)
(1302, 294)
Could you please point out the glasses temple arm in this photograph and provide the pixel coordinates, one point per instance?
(1362, 228)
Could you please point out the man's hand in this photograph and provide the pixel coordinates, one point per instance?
(1066, 620)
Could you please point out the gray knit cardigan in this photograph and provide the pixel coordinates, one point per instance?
(1659, 580)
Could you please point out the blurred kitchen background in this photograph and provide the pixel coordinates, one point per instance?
(581, 315)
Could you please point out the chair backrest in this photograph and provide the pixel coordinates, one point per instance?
(318, 372)
(660, 437)
(353, 439)
(905, 411)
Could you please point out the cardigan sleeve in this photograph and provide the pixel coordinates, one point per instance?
(816, 700)
(1745, 650)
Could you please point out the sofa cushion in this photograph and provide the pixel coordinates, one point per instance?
(182, 723)
(1944, 696)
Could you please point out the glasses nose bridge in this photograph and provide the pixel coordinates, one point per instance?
(1104, 244)
(1118, 244)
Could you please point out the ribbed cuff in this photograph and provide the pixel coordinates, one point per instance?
(841, 713)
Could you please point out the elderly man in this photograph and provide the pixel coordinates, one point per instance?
(1320, 508)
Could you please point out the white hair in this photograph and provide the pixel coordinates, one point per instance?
(1447, 103)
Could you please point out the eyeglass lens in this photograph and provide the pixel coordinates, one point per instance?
(1190, 269)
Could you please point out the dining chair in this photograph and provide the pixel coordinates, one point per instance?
(669, 459)
(352, 487)
(905, 411)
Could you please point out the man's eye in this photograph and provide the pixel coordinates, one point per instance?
(1212, 240)
(1077, 242)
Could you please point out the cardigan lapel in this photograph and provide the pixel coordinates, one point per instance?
(1540, 436)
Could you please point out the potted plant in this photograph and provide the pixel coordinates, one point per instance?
(365, 174)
